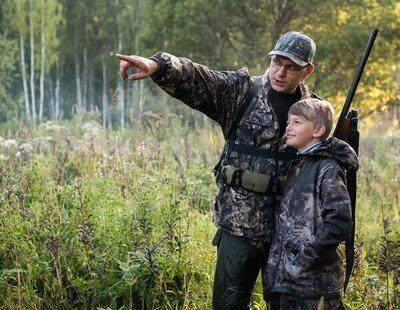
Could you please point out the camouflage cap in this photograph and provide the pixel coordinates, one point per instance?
(296, 46)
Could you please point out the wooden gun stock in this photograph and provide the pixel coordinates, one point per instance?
(342, 129)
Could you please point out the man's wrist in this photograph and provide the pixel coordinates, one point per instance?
(162, 60)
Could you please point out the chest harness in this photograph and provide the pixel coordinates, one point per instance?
(252, 181)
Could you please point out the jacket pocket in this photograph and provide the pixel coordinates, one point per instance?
(298, 264)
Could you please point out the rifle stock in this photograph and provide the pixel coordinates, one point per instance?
(342, 129)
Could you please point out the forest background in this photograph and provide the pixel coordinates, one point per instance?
(100, 179)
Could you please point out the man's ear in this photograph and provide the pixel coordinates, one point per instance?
(319, 131)
(308, 72)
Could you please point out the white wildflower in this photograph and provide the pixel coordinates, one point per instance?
(92, 128)
(9, 143)
(41, 140)
(50, 126)
(26, 147)
(142, 146)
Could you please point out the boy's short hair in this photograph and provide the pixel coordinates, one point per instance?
(320, 112)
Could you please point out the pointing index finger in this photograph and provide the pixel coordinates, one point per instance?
(123, 57)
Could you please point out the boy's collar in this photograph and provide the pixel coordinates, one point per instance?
(310, 149)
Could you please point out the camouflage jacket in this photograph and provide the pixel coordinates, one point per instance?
(312, 220)
(218, 95)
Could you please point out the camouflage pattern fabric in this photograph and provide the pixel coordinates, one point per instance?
(312, 220)
(296, 46)
(218, 94)
(298, 303)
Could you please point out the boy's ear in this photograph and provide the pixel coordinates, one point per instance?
(319, 131)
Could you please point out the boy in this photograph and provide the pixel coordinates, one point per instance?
(305, 267)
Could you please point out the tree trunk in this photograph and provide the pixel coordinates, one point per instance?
(91, 87)
(78, 82)
(23, 75)
(105, 97)
(33, 99)
(120, 88)
(51, 96)
(42, 58)
(57, 91)
(84, 78)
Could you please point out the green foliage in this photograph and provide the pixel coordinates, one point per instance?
(7, 76)
(224, 35)
(374, 283)
(95, 219)
(389, 261)
(92, 218)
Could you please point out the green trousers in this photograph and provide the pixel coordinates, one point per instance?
(238, 265)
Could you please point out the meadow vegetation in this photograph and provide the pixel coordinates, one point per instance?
(101, 219)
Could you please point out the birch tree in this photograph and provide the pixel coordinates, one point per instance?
(42, 59)
(36, 22)
(106, 114)
(120, 88)
(18, 9)
(20, 20)
(32, 58)
(7, 74)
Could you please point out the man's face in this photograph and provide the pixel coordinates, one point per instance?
(301, 133)
(285, 75)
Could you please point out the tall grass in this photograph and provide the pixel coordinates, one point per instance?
(102, 219)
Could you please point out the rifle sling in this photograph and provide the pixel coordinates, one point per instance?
(244, 109)
(351, 178)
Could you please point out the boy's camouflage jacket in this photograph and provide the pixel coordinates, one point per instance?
(218, 95)
(312, 220)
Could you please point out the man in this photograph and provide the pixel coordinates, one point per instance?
(248, 174)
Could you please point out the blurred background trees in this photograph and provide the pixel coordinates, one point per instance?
(58, 55)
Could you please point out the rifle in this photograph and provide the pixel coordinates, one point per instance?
(346, 130)
(343, 125)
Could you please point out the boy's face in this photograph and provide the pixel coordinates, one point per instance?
(302, 133)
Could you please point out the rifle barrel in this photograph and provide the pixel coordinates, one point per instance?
(357, 77)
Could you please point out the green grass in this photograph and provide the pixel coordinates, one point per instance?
(92, 218)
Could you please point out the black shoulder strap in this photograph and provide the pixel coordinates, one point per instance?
(244, 109)
(246, 106)
(351, 178)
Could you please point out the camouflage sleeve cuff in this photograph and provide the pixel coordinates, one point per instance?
(163, 60)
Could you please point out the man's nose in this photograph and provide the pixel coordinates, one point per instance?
(282, 71)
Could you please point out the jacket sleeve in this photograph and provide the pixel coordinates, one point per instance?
(215, 93)
(335, 209)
